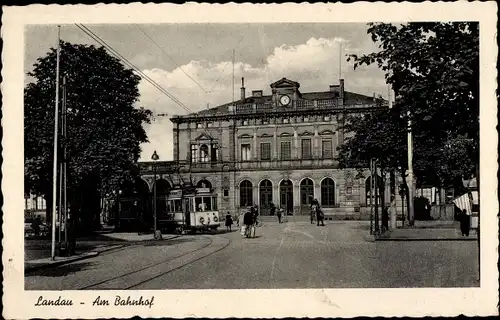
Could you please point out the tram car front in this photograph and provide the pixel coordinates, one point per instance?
(204, 214)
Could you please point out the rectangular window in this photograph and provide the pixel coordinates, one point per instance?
(194, 153)
(226, 193)
(245, 152)
(327, 149)
(306, 148)
(265, 151)
(286, 150)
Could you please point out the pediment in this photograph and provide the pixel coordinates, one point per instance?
(285, 83)
(204, 137)
(326, 132)
(285, 134)
(265, 135)
(306, 133)
(245, 136)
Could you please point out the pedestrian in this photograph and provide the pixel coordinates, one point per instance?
(71, 233)
(255, 213)
(229, 221)
(428, 210)
(37, 222)
(313, 209)
(385, 219)
(248, 221)
(279, 215)
(464, 223)
(320, 216)
(272, 209)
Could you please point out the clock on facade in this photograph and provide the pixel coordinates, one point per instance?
(285, 100)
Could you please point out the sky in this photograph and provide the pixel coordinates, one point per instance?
(193, 62)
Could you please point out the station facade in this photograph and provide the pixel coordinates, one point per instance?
(262, 149)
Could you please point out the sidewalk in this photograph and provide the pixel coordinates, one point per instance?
(428, 231)
(48, 262)
(91, 251)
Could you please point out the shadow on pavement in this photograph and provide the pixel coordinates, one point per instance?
(60, 271)
(167, 242)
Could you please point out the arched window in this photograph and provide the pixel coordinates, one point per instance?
(204, 157)
(204, 183)
(246, 193)
(306, 192)
(265, 196)
(327, 192)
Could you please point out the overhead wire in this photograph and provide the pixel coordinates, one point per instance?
(96, 38)
(176, 64)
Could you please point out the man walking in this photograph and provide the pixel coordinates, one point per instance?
(320, 216)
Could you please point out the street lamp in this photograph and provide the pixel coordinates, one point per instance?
(402, 191)
(155, 157)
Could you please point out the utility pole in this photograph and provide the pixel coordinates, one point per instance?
(340, 60)
(65, 161)
(375, 169)
(59, 213)
(411, 213)
(371, 196)
(56, 129)
(232, 80)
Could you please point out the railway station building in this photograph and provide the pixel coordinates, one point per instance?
(277, 148)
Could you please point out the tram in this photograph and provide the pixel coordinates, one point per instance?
(190, 209)
(128, 212)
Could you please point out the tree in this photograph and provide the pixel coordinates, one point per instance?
(104, 125)
(379, 135)
(434, 70)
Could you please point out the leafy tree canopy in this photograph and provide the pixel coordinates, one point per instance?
(434, 71)
(104, 125)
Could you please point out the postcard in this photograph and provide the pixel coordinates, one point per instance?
(244, 160)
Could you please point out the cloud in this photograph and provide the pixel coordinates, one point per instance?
(314, 64)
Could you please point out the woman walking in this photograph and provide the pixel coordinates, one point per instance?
(229, 221)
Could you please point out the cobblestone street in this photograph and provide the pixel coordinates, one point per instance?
(290, 255)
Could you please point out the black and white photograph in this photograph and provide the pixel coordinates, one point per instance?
(209, 153)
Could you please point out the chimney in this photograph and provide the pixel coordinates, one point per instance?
(242, 88)
(374, 97)
(257, 93)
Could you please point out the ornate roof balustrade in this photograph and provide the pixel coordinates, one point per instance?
(258, 108)
(245, 110)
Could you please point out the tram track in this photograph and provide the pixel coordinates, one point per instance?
(151, 267)
(128, 246)
(180, 266)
